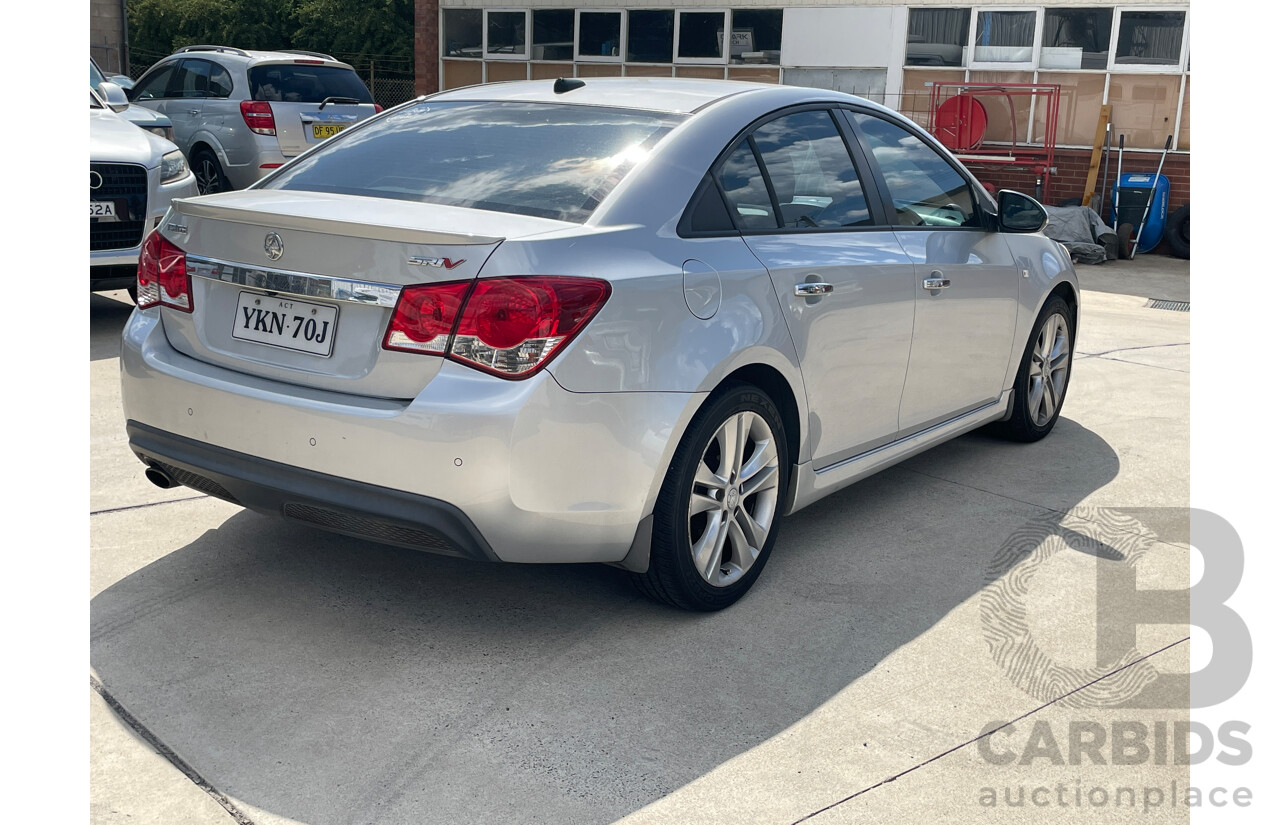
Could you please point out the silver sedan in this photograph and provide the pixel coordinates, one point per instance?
(630, 321)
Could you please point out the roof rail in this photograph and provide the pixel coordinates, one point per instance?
(228, 49)
(321, 55)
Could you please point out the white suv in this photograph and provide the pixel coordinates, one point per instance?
(238, 115)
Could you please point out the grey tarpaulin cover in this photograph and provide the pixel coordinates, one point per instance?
(1078, 228)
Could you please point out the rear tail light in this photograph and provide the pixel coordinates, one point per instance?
(509, 327)
(258, 116)
(162, 275)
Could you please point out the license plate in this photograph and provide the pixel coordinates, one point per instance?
(286, 323)
(321, 132)
(103, 210)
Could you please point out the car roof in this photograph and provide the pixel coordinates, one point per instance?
(661, 94)
(251, 56)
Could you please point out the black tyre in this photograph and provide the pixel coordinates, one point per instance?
(208, 172)
(720, 506)
(1177, 233)
(1044, 374)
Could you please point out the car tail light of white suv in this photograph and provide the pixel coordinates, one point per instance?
(162, 275)
(258, 116)
(509, 327)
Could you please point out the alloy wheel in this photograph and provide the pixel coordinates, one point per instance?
(1048, 371)
(207, 177)
(734, 499)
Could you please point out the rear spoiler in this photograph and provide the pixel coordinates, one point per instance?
(328, 226)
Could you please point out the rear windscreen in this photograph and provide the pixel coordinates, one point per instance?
(547, 160)
(297, 83)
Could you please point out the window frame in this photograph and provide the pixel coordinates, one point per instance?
(983, 202)
(528, 35)
(626, 41)
(725, 38)
(868, 176)
(579, 57)
(1149, 68)
(972, 64)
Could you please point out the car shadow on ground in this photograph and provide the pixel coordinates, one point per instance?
(107, 317)
(330, 680)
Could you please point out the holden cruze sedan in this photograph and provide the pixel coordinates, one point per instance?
(631, 321)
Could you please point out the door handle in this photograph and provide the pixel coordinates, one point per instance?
(937, 283)
(193, 111)
(809, 290)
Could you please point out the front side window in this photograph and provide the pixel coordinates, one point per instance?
(812, 174)
(1150, 37)
(540, 159)
(937, 37)
(925, 189)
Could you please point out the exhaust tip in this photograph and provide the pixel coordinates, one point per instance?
(160, 478)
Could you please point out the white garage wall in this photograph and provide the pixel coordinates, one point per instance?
(850, 37)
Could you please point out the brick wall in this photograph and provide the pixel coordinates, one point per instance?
(426, 46)
(1073, 169)
(106, 36)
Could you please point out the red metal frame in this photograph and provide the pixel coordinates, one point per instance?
(1038, 156)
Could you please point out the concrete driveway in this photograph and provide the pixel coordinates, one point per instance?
(249, 670)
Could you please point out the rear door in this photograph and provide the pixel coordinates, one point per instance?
(965, 286)
(311, 100)
(844, 283)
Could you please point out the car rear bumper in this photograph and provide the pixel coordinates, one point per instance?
(337, 504)
(539, 473)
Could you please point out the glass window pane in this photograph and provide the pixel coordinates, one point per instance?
(756, 37)
(811, 172)
(924, 188)
(296, 82)
(1004, 36)
(1078, 108)
(708, 213)
(744, 185)
(650, 35)
(506, 32)
(1150, 37)
(462, 32)
(701, 34)
(546, 160)
(553, 34)
(599, 33)
(1075, 39)
(937, 37)
(153, 85)
(1144, 108)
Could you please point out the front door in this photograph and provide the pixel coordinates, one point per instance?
(965, 285)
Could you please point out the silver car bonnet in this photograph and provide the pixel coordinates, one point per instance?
(112, 139)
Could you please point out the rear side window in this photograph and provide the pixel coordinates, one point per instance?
(812, 174)
(541, 159)
(301, 83)
(201, 78)
(152, 87)
(745, 188)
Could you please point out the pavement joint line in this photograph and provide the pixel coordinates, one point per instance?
(147, 504)
(1140, 364)
(165, 751)
(1131, 349)
(990, 732)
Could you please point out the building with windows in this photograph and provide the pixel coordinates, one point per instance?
(1133, 56)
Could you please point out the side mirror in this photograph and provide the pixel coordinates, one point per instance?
(114, 96)
(1020, 213)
